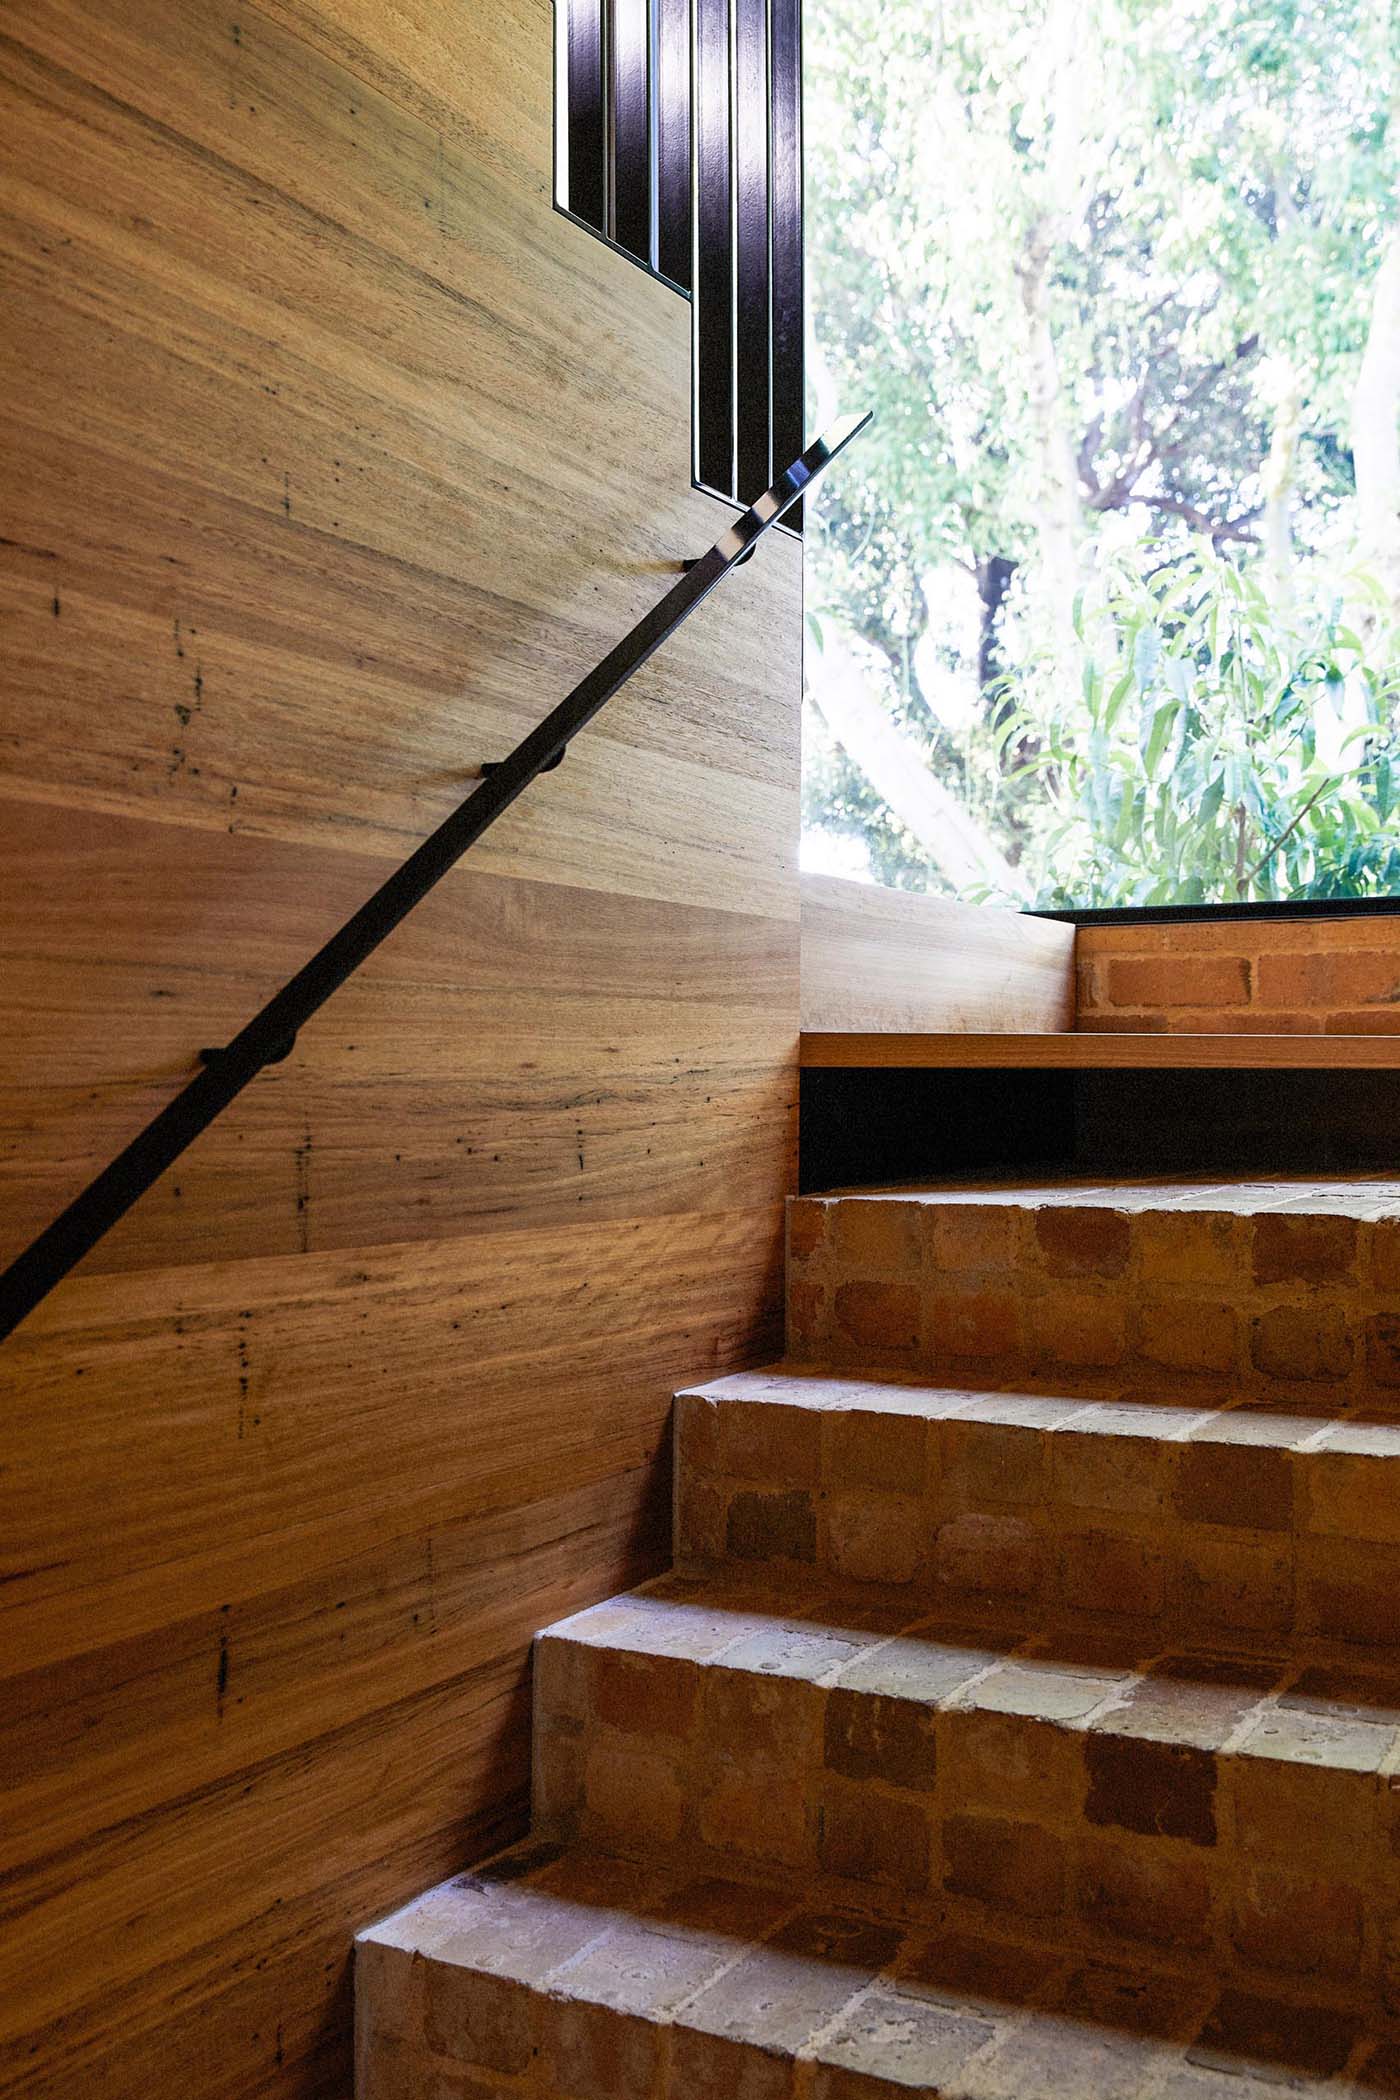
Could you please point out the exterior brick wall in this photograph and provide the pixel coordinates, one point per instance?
(1276, 977)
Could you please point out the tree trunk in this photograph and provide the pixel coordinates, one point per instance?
(1277, 483)
(953, 840)
(1375, 431)
(994, 574)
(1057, 88)
(1058, 512)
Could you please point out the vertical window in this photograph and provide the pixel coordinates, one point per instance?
(680, 145)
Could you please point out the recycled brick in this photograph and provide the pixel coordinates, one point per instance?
(922, 1669)
(1163, 1897)
(1199, 1335)
(772, 1526)
(719, 2067)
(1302, 1342)
(1293, 980)
(876, 1538)
(1179, 980)
(645, 1695)
(875, 1236)
(796, 1982)
(871, 1737)
(984, 1462)
(764, 1440)
(597, 2053)
(890, 2044)
(1354, 1493)
(1185, 1247)
(979, 1238)
(1390, 1977)
(1311, 1814)
(1156, 1789)
(1349, 1744)
(1113, 1571)
(1245, 1485)
(981, 1324)
(806, 1227)
(1383, 1242)
(1382, 1342)
(1302, 1926)
(1304, 1247)
(1081, 1329)
(883, 1317)
(636, 1791)
(776, 1721)
(874, 1837)
(1233, 1584)
(1365, 1020)
(1064, 2057)
(1380, 2074)
(808, 1308)
(702, 1514)
(1245, 2033)
(1012, 1865)
(1350, 1589)
(558, 1776)
(485, 2021)
(1092, 1469)
(988, 1556)
(1042, 1689)
(984, 1976)
(866, 1448)
(1006, 1765)
(1082, 1240)
(757, 1811)
(1369, 977)
(1194, 1698)
(563, 1677)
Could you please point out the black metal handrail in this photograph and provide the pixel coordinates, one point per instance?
(271, 1034)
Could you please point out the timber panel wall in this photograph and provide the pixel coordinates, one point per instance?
(881, 961)
(325, 438)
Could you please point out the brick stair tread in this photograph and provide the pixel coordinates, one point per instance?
(553, 1972)
(1111, 1406)
(1259, 1522)
(1327, 1706)
(1268, 1288)
(1366, 1197)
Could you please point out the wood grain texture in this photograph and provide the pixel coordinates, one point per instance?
(849, 1050)
(334, 456)
(877, 959)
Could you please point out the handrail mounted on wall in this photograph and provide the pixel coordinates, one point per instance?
(270, 1035)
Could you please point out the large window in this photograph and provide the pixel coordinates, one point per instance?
(1103, 610)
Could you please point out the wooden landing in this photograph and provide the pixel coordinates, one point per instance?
(1102, 1052)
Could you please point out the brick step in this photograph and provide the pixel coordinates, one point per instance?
(1238, 1809)
(1248, 1524)
(1264, 1289)
(576, 1977)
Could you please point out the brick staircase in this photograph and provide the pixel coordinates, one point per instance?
(1022, 1718)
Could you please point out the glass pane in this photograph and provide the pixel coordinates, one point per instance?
(1104, 609)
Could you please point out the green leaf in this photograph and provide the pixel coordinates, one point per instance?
(1209, 808)
(1162, 723)
(1382, 787)
(1147, 654)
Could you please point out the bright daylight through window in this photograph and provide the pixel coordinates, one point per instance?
(1103, 611)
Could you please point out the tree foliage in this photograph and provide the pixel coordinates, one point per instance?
(1114, 276)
